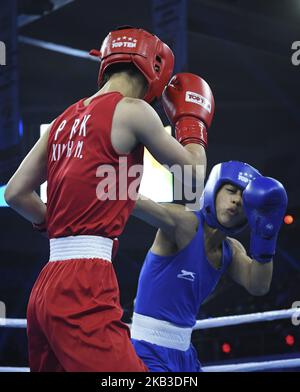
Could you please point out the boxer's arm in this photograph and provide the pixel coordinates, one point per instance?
(176, 225)
(142, 124)
(20, 192)
(162, 216)
(165, 148)
(255, 277)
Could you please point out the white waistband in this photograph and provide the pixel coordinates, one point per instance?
(160, 332)
(80, 247)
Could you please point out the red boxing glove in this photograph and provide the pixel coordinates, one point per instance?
(189, 104)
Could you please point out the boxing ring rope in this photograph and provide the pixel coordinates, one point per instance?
(254, 366)
(13, 323)
(246, 318)
(204, 324)
(215, 322)
(57, 48)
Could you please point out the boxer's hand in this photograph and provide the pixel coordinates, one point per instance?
(189, 105)
(264, 202)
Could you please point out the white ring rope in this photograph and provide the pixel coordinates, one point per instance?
(8, 369)
(234, 367)
(254, 366)
(247, 318)
(57, 48)
(13, 323)
(201, 324)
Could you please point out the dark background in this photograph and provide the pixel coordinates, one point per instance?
(243, 49)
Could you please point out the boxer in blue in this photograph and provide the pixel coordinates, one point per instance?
(192, 250)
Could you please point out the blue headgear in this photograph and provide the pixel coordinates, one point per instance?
(234, 172)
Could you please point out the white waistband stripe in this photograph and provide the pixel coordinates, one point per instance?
(80, 247)
(160, 332)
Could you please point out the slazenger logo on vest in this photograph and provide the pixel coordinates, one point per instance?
(245, 177)
(126, 42)
(188, 275)
(190, 96)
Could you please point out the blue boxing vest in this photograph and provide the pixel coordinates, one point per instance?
(172, 288)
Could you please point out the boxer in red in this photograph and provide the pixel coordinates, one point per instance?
(74, 314)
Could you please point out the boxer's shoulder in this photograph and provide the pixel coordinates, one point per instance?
(134, 113)
(134, 109)
(181, 217)
(136, 104)
(185, 228)
(135, 120)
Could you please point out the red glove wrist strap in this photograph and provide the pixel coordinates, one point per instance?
(191, 130)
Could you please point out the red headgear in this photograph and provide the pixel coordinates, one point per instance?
(146, 51)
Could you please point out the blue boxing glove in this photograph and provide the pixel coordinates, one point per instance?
(264, 203)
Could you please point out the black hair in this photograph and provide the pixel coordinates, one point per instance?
(129, 68)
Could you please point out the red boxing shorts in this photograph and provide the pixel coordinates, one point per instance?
(74, 314)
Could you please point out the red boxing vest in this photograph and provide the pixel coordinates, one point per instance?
(91, 188)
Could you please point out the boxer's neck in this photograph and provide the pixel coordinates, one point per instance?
(129, 86)
(213, 237)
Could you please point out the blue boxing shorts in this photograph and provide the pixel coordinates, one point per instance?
(164, 359)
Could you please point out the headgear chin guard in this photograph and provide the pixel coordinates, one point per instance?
(152, 57)
(234, 172)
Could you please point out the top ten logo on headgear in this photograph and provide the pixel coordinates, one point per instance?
(2, 53)
(126, 42)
